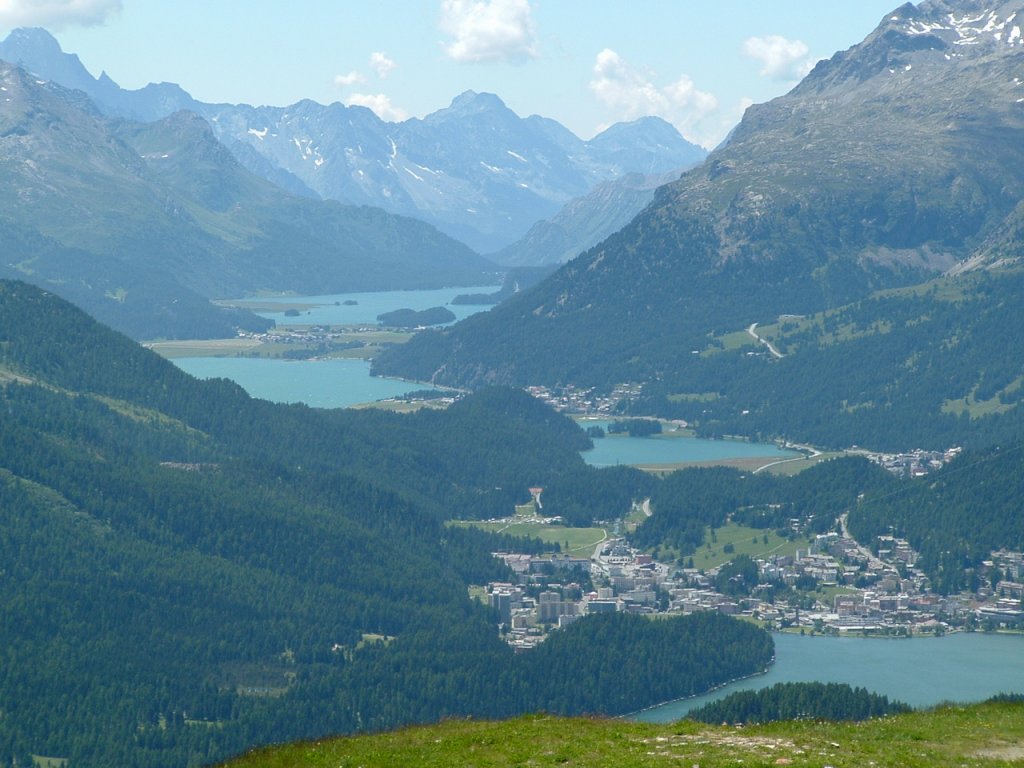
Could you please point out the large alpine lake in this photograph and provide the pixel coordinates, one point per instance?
(331, 383)
(360, 308)
(924, 671)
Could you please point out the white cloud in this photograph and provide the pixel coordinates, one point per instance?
(489, 30)
(56, 14)
(781, 58)
(380, 103)
(382, 64)
(353, 77)
(631, 93)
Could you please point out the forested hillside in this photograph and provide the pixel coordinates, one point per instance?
(187, 572)
(955, 517)
(929, 366)
(688, 502)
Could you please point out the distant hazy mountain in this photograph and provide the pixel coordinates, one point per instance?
(37, 51)
(141, 223)
(476, 170)
(890, 163)
(585, 221)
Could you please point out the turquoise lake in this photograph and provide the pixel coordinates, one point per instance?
(666, 449)
(318, 383)
(961, 667)
(332, 309)
(336, 383)
(328, 383)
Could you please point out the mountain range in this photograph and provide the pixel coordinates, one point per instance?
(143, 223)
(892, 163)
(475, 170)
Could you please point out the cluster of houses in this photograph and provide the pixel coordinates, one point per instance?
(305, 335)
(916, 463)
(852, 590)
(583, 400)
(1002, 589)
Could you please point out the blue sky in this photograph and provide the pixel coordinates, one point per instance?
(585, 63)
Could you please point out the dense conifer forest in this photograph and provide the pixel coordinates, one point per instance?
(187, 571)
(798, 701)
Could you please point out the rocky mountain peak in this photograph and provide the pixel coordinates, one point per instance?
(38, 51)
(964, 24)
(471, 101)
(470, 104)
(31, 40)
(934, 33)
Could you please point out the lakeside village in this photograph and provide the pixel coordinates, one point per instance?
(585, 402)
(854, 590)
(845, 588)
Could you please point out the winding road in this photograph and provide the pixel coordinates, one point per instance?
(752, 330)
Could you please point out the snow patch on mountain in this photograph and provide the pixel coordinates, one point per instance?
(970, 28)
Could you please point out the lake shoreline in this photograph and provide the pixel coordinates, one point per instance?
(958, 666)
(708, 692)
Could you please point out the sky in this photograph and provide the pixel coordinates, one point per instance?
(585, 63)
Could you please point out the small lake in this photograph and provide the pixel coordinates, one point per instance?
(329, 383)
(332, 309)
(962, 667)
(666, 448)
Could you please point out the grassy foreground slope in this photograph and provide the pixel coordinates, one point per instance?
(980, 735)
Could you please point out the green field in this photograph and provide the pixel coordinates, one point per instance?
(981, 735)
(372, 342)
(736, 340)
(578, 542)
(795, 466)
(977, 408)
(745, 541)
(268, 306)
(204, 347)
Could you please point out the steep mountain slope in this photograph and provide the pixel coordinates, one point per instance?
(475, 170)
(130, 219)
(289, 241)
(890, 162)
(584, 222)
